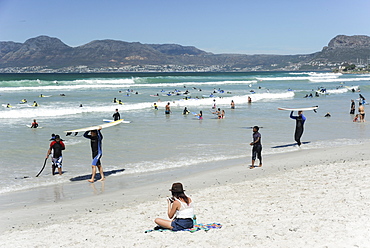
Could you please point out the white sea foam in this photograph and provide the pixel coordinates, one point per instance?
(59, 110)
(116, 84)
(329, 80)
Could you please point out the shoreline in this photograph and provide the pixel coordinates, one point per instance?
(25, 218)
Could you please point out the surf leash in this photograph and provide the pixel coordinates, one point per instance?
(43, 167)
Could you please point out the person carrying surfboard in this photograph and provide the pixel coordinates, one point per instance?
(96, 148)
(116, 116)
(56, 146)
(257, 147)
(300, 120)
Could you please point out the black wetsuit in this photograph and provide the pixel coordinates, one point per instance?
(116, 116)
(96, 147)
(257, 147)
(300, 119)
(353, 107)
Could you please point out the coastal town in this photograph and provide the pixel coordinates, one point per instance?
(313, 65)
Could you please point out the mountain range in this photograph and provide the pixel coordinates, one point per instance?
(45, 51)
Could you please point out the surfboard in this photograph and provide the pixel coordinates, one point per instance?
(299, 109)
(110, 124)
(33, 128)
(109, 121)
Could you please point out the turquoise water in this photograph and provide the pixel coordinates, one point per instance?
(154, 142)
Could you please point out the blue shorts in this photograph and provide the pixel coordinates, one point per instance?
(181, 224)
(57, 162)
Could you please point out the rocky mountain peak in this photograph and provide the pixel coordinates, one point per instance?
(344, 41)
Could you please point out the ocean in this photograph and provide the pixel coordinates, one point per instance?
(154, 144)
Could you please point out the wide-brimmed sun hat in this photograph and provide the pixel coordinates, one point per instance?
(177, 188)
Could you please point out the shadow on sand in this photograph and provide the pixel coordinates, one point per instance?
(97, 176)
(294, 144)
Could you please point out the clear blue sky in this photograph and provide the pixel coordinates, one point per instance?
(227, 26)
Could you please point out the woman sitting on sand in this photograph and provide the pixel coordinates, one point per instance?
(180, 208)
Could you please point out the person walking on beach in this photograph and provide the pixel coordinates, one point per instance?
(34, 124)
(300, 119)
(167, 109)
(116, 116)
(96, 148)
(353, 107)
(57, 146)
(361, 111)
(257, 147)
(180, 210)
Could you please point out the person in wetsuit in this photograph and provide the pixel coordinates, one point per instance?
(57, 146)
(353, 107)
(34, 124)
(116, 116)
(257, 147)
(300, 119)
(96, 148)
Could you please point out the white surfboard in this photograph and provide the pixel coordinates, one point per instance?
(30, 126)
(299, 109)
(110, 124)
(109, 121)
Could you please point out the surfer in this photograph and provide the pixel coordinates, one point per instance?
(115, 100)
(361, 111)
(56, 146)
(232, 104)
(300, 119)
(249, 99)
(257, 147)
(186, 111)
(200, 115)
(96, 148)
(120, 102)
(8, 105)
(23, 101)
(155, 106)
(353, 107)
(116, 116)
(35, 104)
(34, 124)
(167, 109)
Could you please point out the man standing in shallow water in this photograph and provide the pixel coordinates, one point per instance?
(96, 147)
(257, 147)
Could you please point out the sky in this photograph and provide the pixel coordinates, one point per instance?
(227, 26)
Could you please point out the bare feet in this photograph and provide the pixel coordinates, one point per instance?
(260, 165)
(251, 167)
(102, 179)
(91, 180)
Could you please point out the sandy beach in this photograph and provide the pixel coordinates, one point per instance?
(305, 198)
